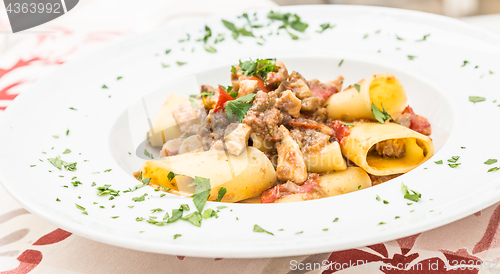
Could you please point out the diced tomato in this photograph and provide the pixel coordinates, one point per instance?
(295, 123)
(270, 195)
(418, 123)
(223, 98)
(323, 92)
(280, 191)
(260, 83)
(341, 131)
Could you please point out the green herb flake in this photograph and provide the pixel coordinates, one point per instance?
(476, 99)
(325, 27)
(140, 198)
(493, 169)
(80, 207)
(411, 57)
(32, 165)
(424, 38)
(67, 133)
(413, 196)
(385, 201)
(163, 65)
(380, 116)
(104, 86)
(114, 217)
(222, 192)
(72, 108)
(357, 87)
(55, 136)
(194, 218)
(490, 161)
(335, 220)
(397, 217)
(341, 62)
(465, 63)
(181, 63)
(67, 151)
(201, 193)
(177, 236)
(440, 162)
(325, 229)
(259, 229)
(300, 232)
(378, 198)
(381, 223)
(107, 170)
(239, 107)
(57, 200)
(146, 152)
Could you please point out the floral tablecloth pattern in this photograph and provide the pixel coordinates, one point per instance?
(29, 244)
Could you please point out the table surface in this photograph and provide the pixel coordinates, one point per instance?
(29, 244)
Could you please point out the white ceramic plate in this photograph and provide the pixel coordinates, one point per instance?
(99, 131)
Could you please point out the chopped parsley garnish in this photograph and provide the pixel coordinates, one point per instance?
(359, 187)
(171, 176)
(378, 198)
(490, 161)
(357, 87)
(140, 198)
(385, 201)
(289, 20)
(156, 210)
(260, 67)
(177, 236)
(181, 63)
(335, 220)
(397, 217)
(209, 213)
(236, 32)
(105, 190)
(366, 36)
(185, 207)
(399, 38)
(168, 51)
(454, 159)
(93, 184)
(104, 86)
(67, 151)
(454, 165)
(476, 99)
(465, 63)
(257, 228)
(165, 65)
(221, 207)
(381, 223)
(107, 170)
(57, 162)
(325, 27)
(424, 38)
(201, 193)
(341, 62)
(57, 200)
(239, 107)
(139, 219)
(440, 162)
(114, 217)
(80, 207)
(119, 77)
(493, 169)
(380, 116)
(76, 183)
(67, 133)
(414, 196)
(165, 188)
(300, 232)
(411, 57)
(347, 124)
(222, 192)
(210, 49)
(32, 165)
(72, 108)
(55, 136)
(146, 152)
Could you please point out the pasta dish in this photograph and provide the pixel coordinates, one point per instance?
(274, 136)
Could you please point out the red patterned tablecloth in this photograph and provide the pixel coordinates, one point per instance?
(29, 244)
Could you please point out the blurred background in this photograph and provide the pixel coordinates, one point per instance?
(453, 8)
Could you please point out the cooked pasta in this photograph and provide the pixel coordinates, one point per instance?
(275, 137)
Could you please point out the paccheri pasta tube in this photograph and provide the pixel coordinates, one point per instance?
(342, 182)
(164, 126)
(385, 149)
(243, 176)
(355, 102)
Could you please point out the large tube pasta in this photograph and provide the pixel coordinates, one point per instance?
(383, 89)
(341, 182)
(243, 176)
(414, 148)
(327, 159)
(164, 125)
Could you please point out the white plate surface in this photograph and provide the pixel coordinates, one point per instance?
(99, 131)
